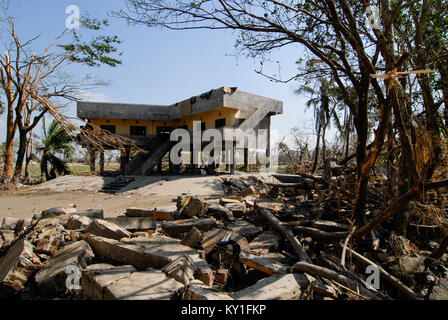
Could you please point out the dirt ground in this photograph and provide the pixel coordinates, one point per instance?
(82, 191)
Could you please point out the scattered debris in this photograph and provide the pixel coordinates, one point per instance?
(270, 237)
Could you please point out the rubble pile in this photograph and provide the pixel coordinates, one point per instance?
(276, 237)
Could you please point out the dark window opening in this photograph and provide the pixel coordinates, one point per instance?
(138, 131)
(108, 128)
(219, 123)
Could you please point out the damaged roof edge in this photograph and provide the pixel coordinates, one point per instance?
(229, 97)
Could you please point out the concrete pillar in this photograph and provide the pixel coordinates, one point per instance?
(127, 156)
(92, 159)
(101, 161)
(268, 148)
(246, 160)
(124, 160)
(233, 158)
(227, 158)
(192, 165)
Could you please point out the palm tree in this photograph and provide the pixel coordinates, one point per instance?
(320, 101)
(56, 140)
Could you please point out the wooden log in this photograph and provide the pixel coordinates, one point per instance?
(296, 246)
(319, 234)
(323, 225)
(390, 278)
(303, 185)
(319, 271)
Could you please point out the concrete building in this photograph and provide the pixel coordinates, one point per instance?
(225, 109)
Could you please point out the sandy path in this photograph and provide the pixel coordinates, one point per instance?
(82, 191)
(24, 204)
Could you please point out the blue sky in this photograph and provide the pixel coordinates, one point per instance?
(163, 66)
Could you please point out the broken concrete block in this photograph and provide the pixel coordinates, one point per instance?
(117, 251)
(180, 269)
(193, 207)
(245, 229)
(155, 252)
(268, 263)
(211, 238)
(92, 213)
(14, 224)
(147, 285)
(226, 200)
(6, 236)
(220, 212)
(238, 209)
(192, 238)
(134, 223)
(17, 264)
(49, 243)
(164, 213)
(275, 287)
(140, 234)
(107, 229)
(272, 205)
(198, 291)
(78, 222)
(204, 273)
(97, 277)
(265, 242)
(51, 278)
(178, 227)
(58, 211)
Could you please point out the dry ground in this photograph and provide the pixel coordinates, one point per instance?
(82, 191)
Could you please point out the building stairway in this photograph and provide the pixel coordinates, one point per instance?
(144, 162)
(254, 119)
(117, 184)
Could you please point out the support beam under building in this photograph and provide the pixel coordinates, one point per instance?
(101, 161)
(246, 160)
(92, 159)
(233, 158)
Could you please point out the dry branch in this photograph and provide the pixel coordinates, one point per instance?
(296, 246)
(390, 278)
(333, 275)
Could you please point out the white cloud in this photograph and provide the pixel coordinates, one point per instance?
(93, 96)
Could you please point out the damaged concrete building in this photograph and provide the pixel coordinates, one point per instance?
(149, 126)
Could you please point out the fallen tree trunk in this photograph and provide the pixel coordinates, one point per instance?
(296, 246)
(321, 235)
(319, 271)
(390, 278)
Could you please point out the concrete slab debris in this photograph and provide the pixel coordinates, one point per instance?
(51, 278)
(275, 287)
(107, 229)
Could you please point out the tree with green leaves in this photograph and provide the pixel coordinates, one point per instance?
(56, 141)
(324, 102)
(35, 84)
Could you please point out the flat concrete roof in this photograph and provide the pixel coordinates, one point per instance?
(213, 99)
